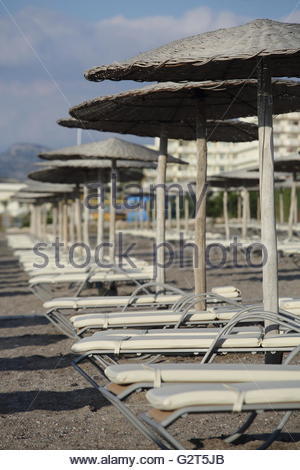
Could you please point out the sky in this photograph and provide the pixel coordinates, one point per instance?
(47, 45)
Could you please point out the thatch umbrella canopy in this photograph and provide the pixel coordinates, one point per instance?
(112, 150)
(263, 48)
(290, 164)
(217, 130)
(237, 180)
(83, 171)
(174, 105)
(215, 55)
(109, 149)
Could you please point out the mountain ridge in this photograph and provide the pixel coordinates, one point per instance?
(19, 160)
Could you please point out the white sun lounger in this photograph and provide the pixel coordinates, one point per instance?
(153, 318)
(109, 348)
(171, 402)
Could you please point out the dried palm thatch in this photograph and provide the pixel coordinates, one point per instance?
(288, 164)
(82, 175)
(238, 179)
(222, 54)
(174, 104)
(96, 164)
(217, 131)
(109, 149)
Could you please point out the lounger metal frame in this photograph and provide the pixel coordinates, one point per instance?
(58, 315)
(157, 432)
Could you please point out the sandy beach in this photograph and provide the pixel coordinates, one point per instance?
(45, 404)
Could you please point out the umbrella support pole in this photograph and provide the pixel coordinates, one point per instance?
(178, 221)
(281, 207)
(100, 219)
(292, 208)
(65, 224)
(86, 239)
(161, 209)
(225, 213)
(78, 217)
(245, 196)
(186, 215)
(54, 220)
(112, 217)
(60, 221)
(200, 212)
(267, 199)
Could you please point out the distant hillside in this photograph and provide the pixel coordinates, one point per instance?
(19, 160)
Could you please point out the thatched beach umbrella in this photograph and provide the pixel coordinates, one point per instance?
(262, 48)
(290, 164)
(234, 180)
(84, 171)
(240, 179)
(113, 150)
(170, 110)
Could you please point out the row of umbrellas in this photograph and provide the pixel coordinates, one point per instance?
(216, 75)
(66, 198)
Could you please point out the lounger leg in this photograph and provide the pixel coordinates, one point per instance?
(162, 431)
(115, 401)
(276, 431)
(240, 431)
(62, 324)
(134, 420)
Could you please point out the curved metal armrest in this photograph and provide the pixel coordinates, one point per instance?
(192, 300)
(254, 315)
(144, 287)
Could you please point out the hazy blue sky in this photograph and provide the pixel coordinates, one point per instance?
(46, 46)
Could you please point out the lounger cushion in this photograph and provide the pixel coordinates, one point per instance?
(114, 301)
(152, 317)
(98, 277)
(290, 303)
(177, 342)
(173, 331)
(161, 317)
(281, 341)
(183, 372)
(172, 397)
(227, 291)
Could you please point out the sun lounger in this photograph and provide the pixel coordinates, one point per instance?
(38, 283)
(181, 316)
(110, 348)
(58, 308)
(218, 315)
(171, 402)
